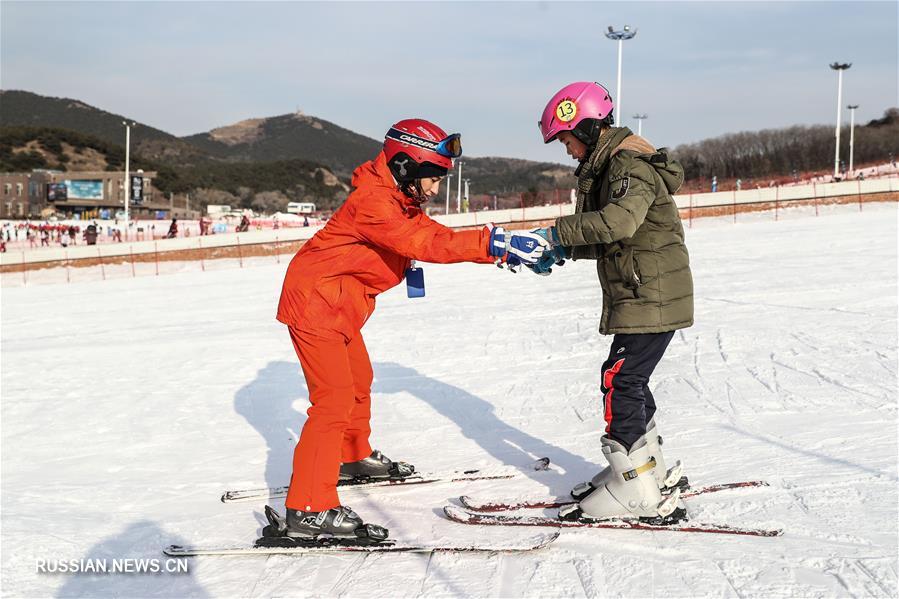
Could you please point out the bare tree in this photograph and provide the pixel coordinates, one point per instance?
(268, 202)
(772, 152)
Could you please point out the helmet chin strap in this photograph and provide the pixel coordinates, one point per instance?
(413, 191)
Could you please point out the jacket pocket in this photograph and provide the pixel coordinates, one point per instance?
(330, 291)
(325, 306)
(626, 267)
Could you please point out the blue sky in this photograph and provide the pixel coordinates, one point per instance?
(699, 69)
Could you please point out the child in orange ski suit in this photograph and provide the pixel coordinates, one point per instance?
(330, 289)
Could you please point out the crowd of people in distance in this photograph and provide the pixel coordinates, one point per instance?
(45, 234)
(35, 234)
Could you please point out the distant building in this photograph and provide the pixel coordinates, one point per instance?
(88, 194)
(19, 195)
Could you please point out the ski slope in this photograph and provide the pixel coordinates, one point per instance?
(129, 405)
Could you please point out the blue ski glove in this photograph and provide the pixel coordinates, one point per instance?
(513, 263)
(549, 234)
(497, 244)
(524, 246)
(554, 257)
(527, 246)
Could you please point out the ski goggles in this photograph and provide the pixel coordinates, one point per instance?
(450, 147)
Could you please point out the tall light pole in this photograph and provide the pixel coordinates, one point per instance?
(851, 108)
(127, 170)
(459, 192)
(619, 36)
(640, 118)
(839, 68)
(449, 180)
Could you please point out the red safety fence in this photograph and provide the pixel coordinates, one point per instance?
(241, 254)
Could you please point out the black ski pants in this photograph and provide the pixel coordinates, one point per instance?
(627, 400)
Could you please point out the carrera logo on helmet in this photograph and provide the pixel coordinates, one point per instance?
(412, 140)
(417, 141)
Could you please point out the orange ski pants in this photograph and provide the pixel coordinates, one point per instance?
(339, 376)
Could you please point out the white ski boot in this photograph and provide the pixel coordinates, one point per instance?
(630, 491)
(668, 479)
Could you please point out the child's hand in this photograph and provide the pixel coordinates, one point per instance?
(553, 257)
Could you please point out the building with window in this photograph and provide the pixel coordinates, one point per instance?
(85, 195)
(18, 193)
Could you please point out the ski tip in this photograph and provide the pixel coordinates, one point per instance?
(456, 514)
(174, 551)
(466, 501)
(538, 542)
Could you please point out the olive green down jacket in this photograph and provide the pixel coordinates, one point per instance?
(627, 221)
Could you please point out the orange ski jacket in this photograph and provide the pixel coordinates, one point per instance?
(365, 249)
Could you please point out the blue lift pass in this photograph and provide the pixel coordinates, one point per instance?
(415, 282)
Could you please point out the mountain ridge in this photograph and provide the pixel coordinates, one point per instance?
(264, 141)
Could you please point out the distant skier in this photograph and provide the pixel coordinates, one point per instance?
(90, 234)
(329, 293)
(173, 229)
(627, 221)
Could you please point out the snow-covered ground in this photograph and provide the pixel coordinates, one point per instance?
(129, 405)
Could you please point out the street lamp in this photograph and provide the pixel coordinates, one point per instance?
(839, 68)
(449, 180)
(459, 192)
(640, 118)
(851, 108)
(619, 36)
(127, 169)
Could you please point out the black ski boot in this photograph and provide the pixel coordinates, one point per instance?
(338, 526)
(377, 466)
(340, 522)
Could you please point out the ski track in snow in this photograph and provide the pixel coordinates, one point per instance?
(129, 405)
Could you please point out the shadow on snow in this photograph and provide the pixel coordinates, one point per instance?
(267, 403)
(140, 540)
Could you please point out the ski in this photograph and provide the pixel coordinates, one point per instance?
(414, 479)
(389, 546)
(494, 506)
(461, 516)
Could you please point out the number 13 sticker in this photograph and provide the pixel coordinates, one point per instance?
(566, 111)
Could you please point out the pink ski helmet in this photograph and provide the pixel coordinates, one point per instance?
(571, 105)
